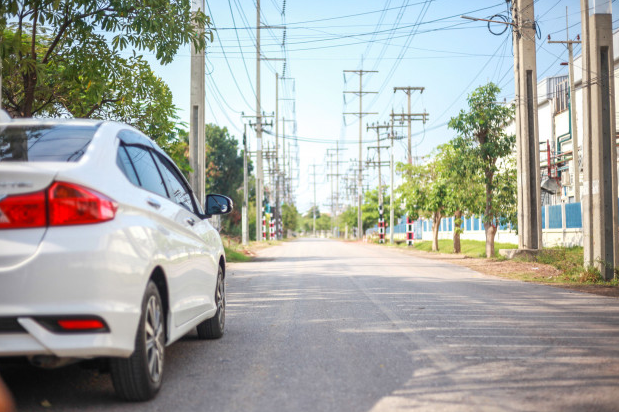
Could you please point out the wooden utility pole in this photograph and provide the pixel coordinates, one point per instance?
(573, 118)
(409, 90)
(360, 113)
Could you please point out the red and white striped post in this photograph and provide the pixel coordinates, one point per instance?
(272, 229)
(381, 225)
(409, 231)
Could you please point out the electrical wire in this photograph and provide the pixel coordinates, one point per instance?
(228, 64)
(236, 32)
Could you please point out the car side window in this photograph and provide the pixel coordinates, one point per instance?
(179, 193)
(146, 170)
(122, 159)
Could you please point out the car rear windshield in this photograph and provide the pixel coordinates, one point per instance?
(45, 143)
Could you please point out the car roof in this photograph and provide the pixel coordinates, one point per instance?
(53, 121)
(137, 137)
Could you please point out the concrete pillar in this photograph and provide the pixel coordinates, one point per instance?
(196, 118)
(599, 147)
(527, 135)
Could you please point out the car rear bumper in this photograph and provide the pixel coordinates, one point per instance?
(76, 274)
(35, 338)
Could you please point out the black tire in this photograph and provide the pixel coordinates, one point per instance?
(213, 328)
(138, 377)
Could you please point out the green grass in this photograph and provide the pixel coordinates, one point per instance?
(568, 260)
(234, 256)
(233, 250)
(472, 248)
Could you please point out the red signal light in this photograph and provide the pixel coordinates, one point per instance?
(81, 324)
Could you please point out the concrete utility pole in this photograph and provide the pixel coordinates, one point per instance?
(381, 221)
(599, 195)
(244, 217)
(409, 90)
(402, 117)
(314, 209)
(360, 93)
(527, 136)
(573, 118)
(285, 190)
(197, 154)
(331, 175)
(259, 175)
(391, 200)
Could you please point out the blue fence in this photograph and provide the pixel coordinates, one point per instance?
(554, 220)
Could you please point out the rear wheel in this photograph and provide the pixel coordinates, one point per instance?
(138, 378)
(213, 328)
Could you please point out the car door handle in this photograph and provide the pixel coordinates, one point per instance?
(190, 221)
(152, 202)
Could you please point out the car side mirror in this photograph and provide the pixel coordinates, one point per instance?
(218, 205)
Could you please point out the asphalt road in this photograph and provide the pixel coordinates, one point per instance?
(317, 325)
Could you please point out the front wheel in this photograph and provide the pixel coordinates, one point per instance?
(213, 328)
(138, 377)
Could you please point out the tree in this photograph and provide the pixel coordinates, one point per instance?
(464, 186)
(290, 217)
(224, 170)
(348, 218)
(425, 193)
(481, 132)
(56, 61)
(369, 208)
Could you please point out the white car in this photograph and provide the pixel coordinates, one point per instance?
(105, 251)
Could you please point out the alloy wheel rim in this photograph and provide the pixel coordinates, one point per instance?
(154, 338)
(221, 300)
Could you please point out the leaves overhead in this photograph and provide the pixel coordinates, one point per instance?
(63, 57)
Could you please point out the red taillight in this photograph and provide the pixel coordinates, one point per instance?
(70, 204)
(81, 324)
(23, 211)
(60, 205)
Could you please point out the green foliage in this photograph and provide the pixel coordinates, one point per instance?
(369, 209)
(347, 218)
(323, 221)
(224, 172)
(290, 217)
(481, 135)
(458, 168)
(62, 57)
(424, 191)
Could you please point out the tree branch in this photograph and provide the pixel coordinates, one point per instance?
(65, 25)
(97, 106)
(33, 50)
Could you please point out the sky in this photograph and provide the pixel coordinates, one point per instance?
(417, 43)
